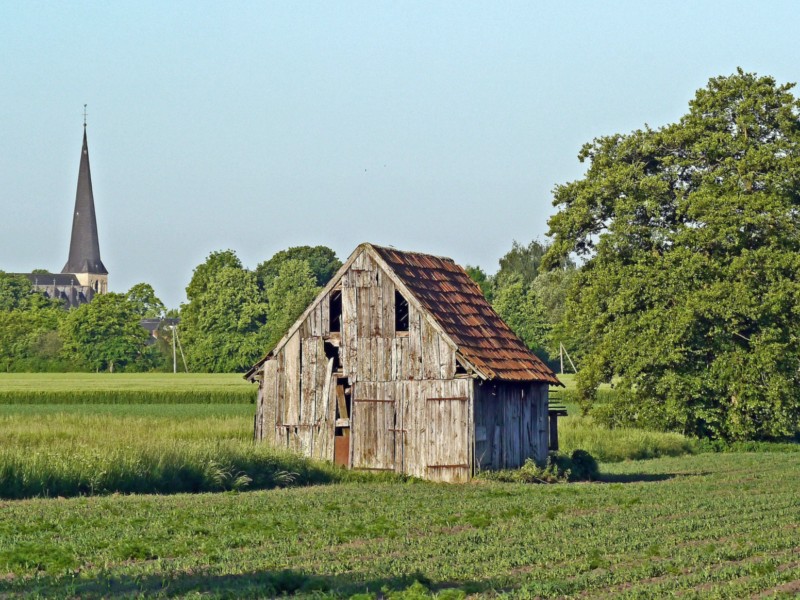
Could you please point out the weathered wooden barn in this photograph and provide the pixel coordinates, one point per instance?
(400, 364)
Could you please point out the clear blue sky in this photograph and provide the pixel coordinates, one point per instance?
(440, 127)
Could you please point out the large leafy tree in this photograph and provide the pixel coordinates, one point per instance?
(145, 302)
(484, 281)
(520, 263)
(222, 324)
(690, 294)
(105, 333)
(28, 326)
(551, 289)
(205, 271)
(518, 305)
(29, 338)
(322, 261)
(16, 292)
(289, 293)
(234, 315)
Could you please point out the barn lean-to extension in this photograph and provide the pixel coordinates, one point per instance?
(400, 364)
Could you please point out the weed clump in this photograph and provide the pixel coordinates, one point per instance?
(559, 468)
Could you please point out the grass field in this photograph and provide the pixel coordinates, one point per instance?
(139, 433)
(711, 525)
(70, 450)
(124, 388)
(722, 525)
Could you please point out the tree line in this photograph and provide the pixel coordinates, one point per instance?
(233, 315)
(672, 271)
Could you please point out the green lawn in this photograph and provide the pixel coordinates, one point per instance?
(611, 445)
(711, 525)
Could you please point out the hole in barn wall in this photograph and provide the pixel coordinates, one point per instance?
(400, 312)
(332, 351)
(343, 398)
(335, 309)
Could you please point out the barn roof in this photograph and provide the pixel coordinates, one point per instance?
(447, 292)
(444, 291)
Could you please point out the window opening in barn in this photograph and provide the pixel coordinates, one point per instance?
(400, 312)
(460, 370)
(335, 309)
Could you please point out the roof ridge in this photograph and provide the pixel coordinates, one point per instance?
(393, 249)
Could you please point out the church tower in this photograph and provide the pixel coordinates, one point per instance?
(84, 248)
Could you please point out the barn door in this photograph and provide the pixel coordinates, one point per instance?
(374, 428)
(447, 444)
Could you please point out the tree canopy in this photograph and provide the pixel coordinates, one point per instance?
(322, 261)
(289, 293)
(222, 324)
(235, 315)
(689, 296)
(521, 262)
(146, 304)
(105, 333)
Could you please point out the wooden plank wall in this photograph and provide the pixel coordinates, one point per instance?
(421, 428)
(510, 424)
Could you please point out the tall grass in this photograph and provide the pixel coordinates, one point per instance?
(614, 445)
(579, 431)
(238, 396)
(124, 388)
(88, 450)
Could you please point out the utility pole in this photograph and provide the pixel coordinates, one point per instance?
(174, 355)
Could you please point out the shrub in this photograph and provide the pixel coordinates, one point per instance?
(583, 466)
(559, 468)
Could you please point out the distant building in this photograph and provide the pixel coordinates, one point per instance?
(84, 274)
(153, 325)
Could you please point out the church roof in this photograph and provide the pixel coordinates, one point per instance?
(84, 247)
(44, 279)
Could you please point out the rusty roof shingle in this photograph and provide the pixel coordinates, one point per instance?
(448, 293)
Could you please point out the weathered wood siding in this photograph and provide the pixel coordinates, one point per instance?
(404, 431)
(510, 424)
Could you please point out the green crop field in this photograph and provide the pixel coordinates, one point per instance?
(93, 504)
(711, 525)
(124, 388)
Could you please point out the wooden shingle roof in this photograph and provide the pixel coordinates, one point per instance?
(456, 303)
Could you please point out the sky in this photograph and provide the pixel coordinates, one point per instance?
(437, 127)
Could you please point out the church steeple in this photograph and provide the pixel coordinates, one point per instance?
(84, 247)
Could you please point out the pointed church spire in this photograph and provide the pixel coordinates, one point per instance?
(84, 247)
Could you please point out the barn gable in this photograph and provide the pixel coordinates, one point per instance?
(446, 297)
